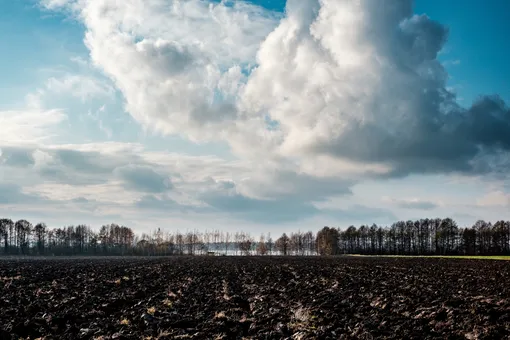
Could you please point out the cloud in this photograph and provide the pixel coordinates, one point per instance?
(152, 202)
(269, 200)
(82, 200)
(74, 164)
(487, 124)
(29, 126)
(259, 210)
(70, 166)
(164, 205)
(357, 212)
(412, 203)
(96, 117)
(200, 44)
(80, 86)
(142, 178)
(13, 194)
(55, 4)
(355, 82)
(17, 202)
(495, 199)
(16, 157)
(329, 94)
(418, 205)
(368, 88)
(82, 161)
(453, 62)
(65, 84)
(128, 176)
(285, 184)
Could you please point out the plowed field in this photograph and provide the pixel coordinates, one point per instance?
(254, 298)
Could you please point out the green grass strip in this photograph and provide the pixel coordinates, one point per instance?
(466, 257)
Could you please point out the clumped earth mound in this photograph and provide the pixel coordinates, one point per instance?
(254, 298)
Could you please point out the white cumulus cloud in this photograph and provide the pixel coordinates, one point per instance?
(354, 81)
(29, 126)
(310, 101)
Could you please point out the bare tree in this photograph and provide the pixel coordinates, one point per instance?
(6, 227)
(309, 243)
(424, 236)
(227, 242)
(270, 244)
(282, 244)
(40, 233)
(327, 241)
(261, 246)
(23, 229)
(245, 243)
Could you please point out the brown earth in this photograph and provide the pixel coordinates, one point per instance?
(254, 298)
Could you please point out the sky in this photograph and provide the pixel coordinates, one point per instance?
(262, 116)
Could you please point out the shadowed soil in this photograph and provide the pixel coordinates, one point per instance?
(254, 298)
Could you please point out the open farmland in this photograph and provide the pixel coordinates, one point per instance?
(254, 297)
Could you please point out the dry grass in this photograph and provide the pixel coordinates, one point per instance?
(167, 303)
(6, 278)
(301, 319)
(220, 315)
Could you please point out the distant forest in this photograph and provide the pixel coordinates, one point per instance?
(422, 237)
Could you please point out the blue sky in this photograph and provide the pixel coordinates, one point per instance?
(101, 128)
(478, 34)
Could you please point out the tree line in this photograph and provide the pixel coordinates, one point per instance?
(421, 237)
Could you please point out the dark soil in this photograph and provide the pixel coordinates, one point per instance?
(255, 298)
